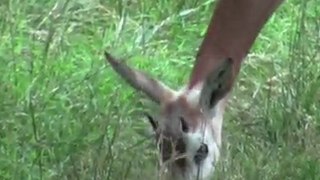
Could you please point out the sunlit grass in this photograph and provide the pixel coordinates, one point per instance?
(65, 115)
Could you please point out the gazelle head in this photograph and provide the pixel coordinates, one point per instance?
(188, 127)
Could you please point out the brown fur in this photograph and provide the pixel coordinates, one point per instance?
(182, 108)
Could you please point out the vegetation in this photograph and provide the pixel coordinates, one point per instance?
(64, 114)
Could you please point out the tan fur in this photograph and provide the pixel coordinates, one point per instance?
(188, 128)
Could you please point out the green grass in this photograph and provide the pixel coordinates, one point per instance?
(65, 115)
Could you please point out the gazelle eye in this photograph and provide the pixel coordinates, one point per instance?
(152, 121)
(184, 125)
(201, 153)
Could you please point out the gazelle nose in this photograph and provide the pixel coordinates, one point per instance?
(201, 153)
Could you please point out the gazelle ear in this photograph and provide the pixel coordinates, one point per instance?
(156, 90)
(216, 85)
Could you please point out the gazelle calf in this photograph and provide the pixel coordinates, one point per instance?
(190, 121)
(188, 128)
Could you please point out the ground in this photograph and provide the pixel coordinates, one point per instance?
(64, 114)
